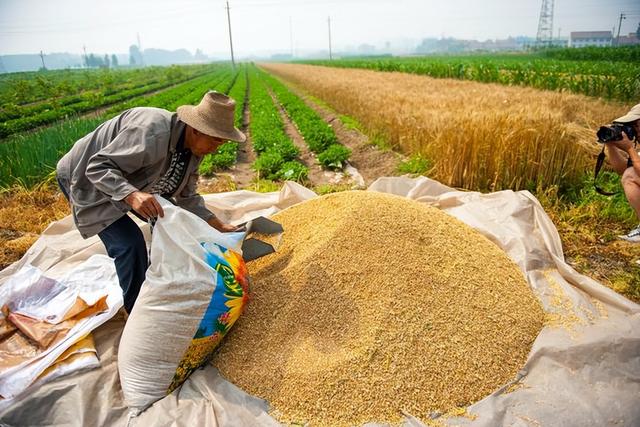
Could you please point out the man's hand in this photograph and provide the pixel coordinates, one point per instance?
(221, 226)
(145, 204)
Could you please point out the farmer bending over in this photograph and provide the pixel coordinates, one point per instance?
(143, 151)
(628, 169)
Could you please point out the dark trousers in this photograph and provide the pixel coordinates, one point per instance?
(125, 244)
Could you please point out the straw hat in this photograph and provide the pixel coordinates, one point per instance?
(631, 116)
(214, 116)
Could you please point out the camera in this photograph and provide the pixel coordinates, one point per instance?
(614, 132)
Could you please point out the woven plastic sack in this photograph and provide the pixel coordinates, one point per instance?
(194, 291)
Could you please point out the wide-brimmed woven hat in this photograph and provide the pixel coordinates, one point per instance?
(631, 116)
(214, 116)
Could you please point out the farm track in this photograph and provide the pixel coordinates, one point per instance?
(316, 175)
(370, 161)
(246, 156)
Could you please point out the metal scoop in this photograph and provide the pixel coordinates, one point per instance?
(253, 248)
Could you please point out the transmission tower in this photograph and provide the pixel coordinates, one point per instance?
(545, 24)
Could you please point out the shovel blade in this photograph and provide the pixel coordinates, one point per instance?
(254, 249)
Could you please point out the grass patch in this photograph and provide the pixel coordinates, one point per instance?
(380, 141)
(350, 123)
(264, 186)
(627, 284)
(415, 165)
(320, 102)
(588, 224)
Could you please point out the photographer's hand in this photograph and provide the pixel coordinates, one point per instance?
(635, 159)
(625, 144)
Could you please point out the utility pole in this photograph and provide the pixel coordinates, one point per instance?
(86, 59)
(622, 16)
(233, 60)
(42, 58)
(329, 24)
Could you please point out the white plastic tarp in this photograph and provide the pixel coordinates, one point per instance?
(583, 369)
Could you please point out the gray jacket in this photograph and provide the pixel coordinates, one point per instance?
(130, 152)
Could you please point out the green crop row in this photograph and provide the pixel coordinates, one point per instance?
(595, 53)
(50, 115)
(607, 79)
(68, 86)
(227, 154)
(276, 152)
(166, 98)
(318, 135)
(28, 158)
(76, 102)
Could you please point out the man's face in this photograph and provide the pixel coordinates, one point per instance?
(201, 144)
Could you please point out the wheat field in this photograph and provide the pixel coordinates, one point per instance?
(477, 136)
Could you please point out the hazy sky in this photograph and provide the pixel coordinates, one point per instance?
(259, 26)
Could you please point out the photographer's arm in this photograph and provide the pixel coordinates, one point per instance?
(635, 158)
(616, 159)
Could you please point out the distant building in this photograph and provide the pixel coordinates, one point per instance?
(560, 42)
(590, 38)
(631, 39)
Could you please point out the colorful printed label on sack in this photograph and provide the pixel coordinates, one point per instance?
(227, 303)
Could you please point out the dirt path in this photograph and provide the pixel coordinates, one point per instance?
(242, 172)
(370, 161)
(317, 176)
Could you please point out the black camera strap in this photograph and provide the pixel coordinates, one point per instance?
(599, 164)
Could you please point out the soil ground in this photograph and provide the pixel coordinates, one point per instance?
(371, 161)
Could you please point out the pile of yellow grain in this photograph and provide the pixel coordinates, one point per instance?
(375, 305)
